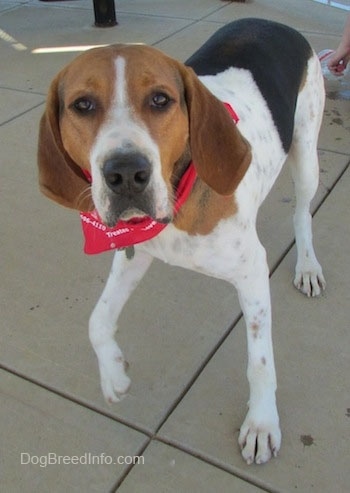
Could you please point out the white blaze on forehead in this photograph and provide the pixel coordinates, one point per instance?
(124, 131)
(121, 99)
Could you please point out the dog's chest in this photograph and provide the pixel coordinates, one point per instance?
(217, 254)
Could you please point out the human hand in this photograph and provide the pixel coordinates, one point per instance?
(338, 61)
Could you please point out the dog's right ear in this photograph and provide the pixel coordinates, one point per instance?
(60, 178)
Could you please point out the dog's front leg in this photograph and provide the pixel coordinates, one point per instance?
(123, 279)
(260, 436)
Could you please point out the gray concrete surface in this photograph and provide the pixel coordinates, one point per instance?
(182, 413)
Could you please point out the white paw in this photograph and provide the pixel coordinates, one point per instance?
(309, 279)
(259, 440)
(114, 381)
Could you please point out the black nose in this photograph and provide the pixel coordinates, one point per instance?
(127, 172)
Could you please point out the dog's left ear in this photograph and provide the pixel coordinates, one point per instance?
(220, 153)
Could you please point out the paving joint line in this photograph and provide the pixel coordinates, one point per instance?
(76, 400)
(194, 22)
(128, 469)
(25, 91)
(22, 114)
(233, 471)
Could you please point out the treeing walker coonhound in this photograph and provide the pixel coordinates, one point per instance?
(125, 123)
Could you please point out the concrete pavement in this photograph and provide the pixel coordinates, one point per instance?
(181, 333)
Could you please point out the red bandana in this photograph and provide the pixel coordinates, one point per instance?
(100, 238)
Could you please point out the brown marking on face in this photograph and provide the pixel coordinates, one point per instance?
(90, 78)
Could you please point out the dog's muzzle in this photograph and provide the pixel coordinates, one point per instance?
(127, 176)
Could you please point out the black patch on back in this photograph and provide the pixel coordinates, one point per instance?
(275, 54)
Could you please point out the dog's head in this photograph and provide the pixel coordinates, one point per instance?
(133, 118)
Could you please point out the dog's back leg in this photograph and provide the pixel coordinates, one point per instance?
(303, 159)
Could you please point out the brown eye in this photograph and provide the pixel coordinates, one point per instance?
(160, 100)
(84, 105)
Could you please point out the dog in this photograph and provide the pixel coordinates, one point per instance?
(128, 132)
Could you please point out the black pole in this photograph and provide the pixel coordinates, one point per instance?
(104, 13)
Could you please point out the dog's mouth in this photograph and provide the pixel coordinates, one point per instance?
(133, 216)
